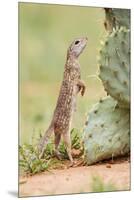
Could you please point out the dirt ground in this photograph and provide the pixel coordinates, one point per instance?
(75, 179)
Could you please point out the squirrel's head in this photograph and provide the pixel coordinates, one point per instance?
(77, 46)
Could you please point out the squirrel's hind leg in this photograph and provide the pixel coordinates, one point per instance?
(67, 142)
(57, 142)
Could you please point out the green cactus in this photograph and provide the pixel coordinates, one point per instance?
(107, 129)
(114, 66)
(116, 18)
(106, 132)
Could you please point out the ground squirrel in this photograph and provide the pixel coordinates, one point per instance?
(66, 104)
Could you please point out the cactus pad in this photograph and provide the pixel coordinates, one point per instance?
(116, 18)
(114, 64)
(106, 132)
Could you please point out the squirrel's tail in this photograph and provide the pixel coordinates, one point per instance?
(44, 140)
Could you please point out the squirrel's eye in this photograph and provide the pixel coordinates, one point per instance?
(76, 42)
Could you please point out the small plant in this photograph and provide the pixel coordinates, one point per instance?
(99, 186)
(75, 138)
(29, 160)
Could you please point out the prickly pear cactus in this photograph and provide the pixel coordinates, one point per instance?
(106, 132)
(114, 66)
(116, 18)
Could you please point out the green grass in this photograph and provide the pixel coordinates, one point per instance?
(45, 32)
(30, 161)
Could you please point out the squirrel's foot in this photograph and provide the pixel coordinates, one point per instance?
(72, 163)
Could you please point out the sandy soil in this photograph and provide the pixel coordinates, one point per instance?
(75, 180)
